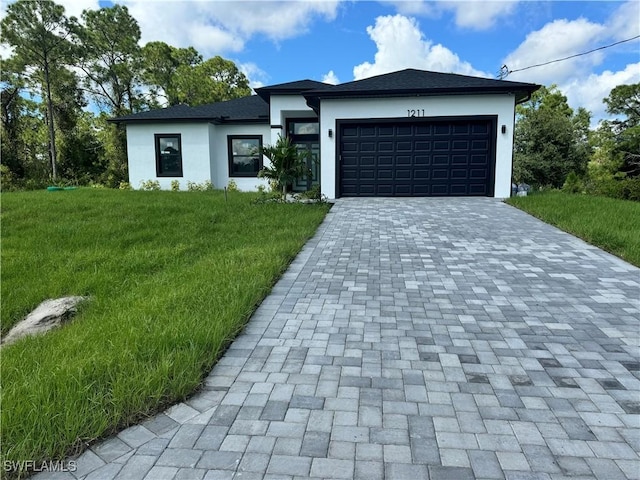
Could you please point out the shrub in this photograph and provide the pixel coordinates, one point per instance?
(199, 187)
(7, 180)
(175, 185)
(150, 185)
(124, 186)
(232, 186)
(573, 184)
(624, 189)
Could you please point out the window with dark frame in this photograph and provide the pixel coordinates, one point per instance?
(168, 154)
(244, 155)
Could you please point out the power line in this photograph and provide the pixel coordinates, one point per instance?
(504, 70)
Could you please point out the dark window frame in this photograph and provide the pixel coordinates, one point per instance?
(157, 137)
(231, 156)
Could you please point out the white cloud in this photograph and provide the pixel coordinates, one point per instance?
(621, 25)
(256, 76)
(589, 92)
(218, 27)
(479, 14)
(75, 7)
(401, 44)
(578, 78)
(558, 39)
(414, 7)
(471, 14)
(330, 78)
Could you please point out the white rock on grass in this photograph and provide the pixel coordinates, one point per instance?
(49, 314)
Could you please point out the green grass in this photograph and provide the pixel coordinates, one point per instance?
(173, 278)
(611, 224)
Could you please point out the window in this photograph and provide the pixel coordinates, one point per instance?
(168, 155)
(244, 155)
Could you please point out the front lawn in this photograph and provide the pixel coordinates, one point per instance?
(173, 277)
(608, 223)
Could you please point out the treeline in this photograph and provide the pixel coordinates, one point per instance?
(67, 76)
(555, 148)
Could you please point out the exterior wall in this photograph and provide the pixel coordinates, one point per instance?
(282, 107)
(142, 154)
(445, 106)
(218, 148)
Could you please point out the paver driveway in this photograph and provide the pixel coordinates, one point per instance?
(416, 339)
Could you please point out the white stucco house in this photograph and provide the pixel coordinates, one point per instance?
(406, 133)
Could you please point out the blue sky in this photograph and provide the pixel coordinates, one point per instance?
(339, 40)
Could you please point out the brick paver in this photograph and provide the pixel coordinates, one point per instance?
(416, 338)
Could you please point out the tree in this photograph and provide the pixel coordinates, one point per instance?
(287, 164)
(39, 31)
(181, 76)
(160, 66)
(550, 139)
(624, 100)
(109, 56)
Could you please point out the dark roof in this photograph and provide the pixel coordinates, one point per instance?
(251, 109)
(419, 82)
(290, 88)
(255, 109)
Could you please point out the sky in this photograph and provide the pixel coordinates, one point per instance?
(338, 41)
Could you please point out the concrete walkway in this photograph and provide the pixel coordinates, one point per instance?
(415, 339)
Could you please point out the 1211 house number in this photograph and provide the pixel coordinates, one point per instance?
(418, 112)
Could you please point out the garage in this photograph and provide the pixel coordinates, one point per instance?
(417, 157)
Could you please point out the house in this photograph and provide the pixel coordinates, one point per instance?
(406, 133)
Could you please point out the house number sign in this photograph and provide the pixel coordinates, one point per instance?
(417, 112)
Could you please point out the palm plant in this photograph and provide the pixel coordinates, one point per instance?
(287, 164)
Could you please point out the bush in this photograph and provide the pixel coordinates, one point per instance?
(175, 185)
(624, 189)
(7, 180)
(124, 186)
(200, 187)
(232, 186)
(150, 185)
(573, 184)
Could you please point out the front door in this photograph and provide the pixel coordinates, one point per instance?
(304, 133)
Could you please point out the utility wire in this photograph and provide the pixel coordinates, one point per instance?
(504, 70)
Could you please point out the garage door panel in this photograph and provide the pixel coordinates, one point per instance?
(458, 173)
(402, 174)
(422, 146)
(480, 145)
(439, 174)
(420, 174)
(478, 174)
(457, 160)
(481, 128)
(441, 146)
(460, 129)
(440, 160)
(416, 158)
(385, 174)
(366, 147)
(460, 145)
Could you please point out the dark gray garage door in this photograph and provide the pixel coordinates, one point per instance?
(423, 157)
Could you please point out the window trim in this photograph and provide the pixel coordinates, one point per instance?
(231, 156)
(157, 137)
